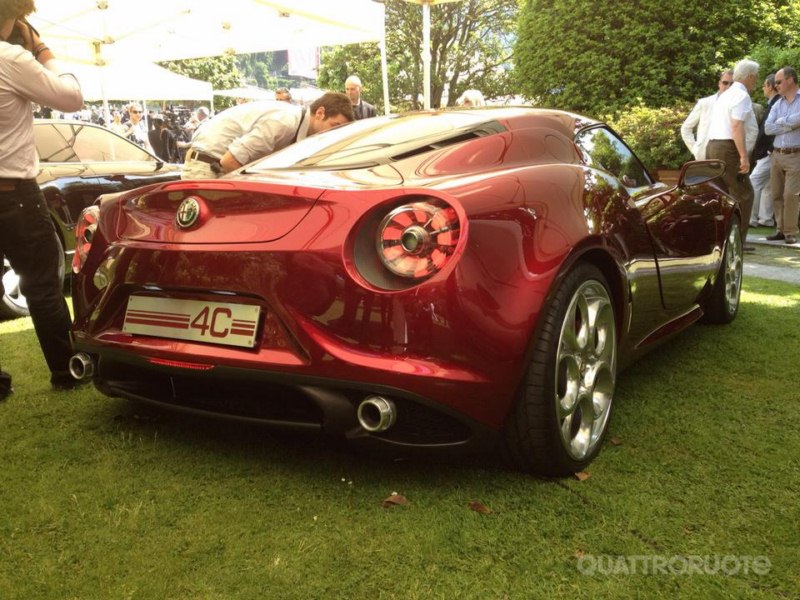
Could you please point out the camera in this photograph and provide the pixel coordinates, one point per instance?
(16, 36)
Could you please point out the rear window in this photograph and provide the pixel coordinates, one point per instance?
(380, 140)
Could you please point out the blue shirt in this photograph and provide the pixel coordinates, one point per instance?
(784, 123)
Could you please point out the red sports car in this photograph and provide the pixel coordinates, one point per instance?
(436, 280)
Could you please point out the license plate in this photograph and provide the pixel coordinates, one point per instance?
(196, 320)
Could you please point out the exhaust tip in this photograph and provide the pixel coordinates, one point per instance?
(81, 366)
(376, 414)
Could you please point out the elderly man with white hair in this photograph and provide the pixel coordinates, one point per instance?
(471, 99)
(361, 109)
(732, 135)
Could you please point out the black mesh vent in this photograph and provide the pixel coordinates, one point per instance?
(418, 424)
(261, 400)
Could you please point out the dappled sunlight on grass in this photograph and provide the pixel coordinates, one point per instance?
(773, 300)
(15, 325)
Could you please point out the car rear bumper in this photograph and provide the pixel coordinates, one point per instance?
(283, 401)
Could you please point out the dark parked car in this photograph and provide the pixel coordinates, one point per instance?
(80, 161)
(437, 280)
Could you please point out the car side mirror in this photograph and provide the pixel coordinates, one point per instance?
(700, 171)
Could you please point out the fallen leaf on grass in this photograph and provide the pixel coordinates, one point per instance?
(479, 507)
(579, 553)
(582, 475)
(615, 441)
(394, 500)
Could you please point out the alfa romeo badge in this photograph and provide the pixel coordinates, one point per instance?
(188, 212)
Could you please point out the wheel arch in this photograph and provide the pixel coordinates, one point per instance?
(598, 255)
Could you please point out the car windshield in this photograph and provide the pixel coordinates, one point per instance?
(379, 140)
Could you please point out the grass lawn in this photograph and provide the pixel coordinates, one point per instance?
(102, 500)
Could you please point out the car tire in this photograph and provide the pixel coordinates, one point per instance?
(722, 304)
(13, 304)
(559, 420)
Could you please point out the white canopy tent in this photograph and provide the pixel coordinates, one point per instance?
(249, 92)
(176, 29)
(121, 80)
(155, 30)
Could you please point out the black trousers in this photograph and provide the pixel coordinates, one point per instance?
(28, 241)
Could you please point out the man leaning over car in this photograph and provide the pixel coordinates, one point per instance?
(29, 73)
(250, 131)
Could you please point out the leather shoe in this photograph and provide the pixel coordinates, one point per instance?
(790, 239)
(775, 238)
(5, 385)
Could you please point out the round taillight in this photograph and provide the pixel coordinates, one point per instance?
(416, 240)
(84, 233)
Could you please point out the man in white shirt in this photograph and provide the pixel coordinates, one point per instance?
(29, 73)
(700, 117)
(731, 137)
(247, 132)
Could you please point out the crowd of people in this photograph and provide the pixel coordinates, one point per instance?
(760, 146)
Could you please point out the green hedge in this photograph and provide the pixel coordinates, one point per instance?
(654, 134)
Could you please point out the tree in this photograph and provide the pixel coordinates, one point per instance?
(470, 48)
(220, 71)
(600, 57)
(364, 60)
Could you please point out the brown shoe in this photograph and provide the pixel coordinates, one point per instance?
(775, 238)
(790, 239)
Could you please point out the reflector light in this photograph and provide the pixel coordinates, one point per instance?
(416, 240)
(84, 233)
(180, 364)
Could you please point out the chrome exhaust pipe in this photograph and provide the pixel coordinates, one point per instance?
(81, 366)
(376, 414)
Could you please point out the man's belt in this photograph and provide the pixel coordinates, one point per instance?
(10, 183)
(202, 157)
(791, 150)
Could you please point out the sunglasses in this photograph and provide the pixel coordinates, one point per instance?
(726, 82)
(778, 81)
(136, 112)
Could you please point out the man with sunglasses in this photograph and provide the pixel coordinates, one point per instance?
(700, 117)
(29, 73)
(136, 130)
(784, 123)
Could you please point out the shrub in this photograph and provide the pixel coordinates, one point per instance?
(654, 134)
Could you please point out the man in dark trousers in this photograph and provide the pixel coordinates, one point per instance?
(361, 109)
(29, 73)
